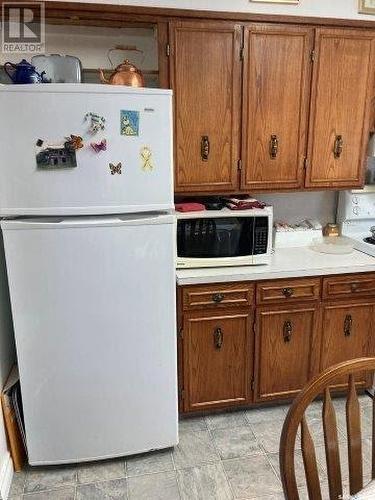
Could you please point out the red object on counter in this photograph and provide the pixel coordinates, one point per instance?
(189, 207)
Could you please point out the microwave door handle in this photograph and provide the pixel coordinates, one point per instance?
(193, 236)
(201, 233)
(253, 237)
(210, 234)
(211, 230)
(197, 236)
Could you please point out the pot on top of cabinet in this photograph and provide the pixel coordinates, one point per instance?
(125, 73)
(24, 72)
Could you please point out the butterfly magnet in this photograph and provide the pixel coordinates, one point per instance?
(115, 169)
(98, 147)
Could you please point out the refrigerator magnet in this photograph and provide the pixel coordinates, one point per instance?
(146, 159)
(74, 141)
(98, 147)
(129, 123)
(115, 169)
(96, 122)
(54, 156)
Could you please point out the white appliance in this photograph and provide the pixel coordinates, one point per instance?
(356, 215)
(218, 238)
(93, 296)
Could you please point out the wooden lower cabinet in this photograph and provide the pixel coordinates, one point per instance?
(259, 344)
(217, 359)
(348, 333)
(285, 350)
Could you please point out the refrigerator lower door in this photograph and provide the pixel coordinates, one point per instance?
(93, 302)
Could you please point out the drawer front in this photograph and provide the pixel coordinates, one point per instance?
(355, 285)
(280, 291)
(203, 296)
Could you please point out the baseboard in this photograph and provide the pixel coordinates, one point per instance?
(6, 476)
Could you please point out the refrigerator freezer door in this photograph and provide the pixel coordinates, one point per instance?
(94, 316)
(42, 174)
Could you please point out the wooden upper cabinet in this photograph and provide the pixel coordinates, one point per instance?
(342, 92)
(205, 70)
(276, 83)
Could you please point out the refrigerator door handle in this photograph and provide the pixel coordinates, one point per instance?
(78, 222)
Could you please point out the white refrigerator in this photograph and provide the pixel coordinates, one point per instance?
(85, 189)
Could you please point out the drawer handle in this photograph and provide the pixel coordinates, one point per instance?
(205, 147)
(218, 338)
(348, 325)
(338, 146)
(218, 297)
(287, 331)
(274, 146)
(288, 292)
(354, 287)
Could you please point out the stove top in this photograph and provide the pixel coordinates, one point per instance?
(363, 243)
(356, 215)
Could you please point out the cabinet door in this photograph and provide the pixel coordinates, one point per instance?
(276, 86)
(206, 80)
(286, 350)
(343, 87)
(217, 359)
(348, 333)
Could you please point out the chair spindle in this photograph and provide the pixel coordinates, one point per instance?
(353, 425)
(309, 462)
(331, 443)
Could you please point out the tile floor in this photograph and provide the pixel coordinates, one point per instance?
(232, 455)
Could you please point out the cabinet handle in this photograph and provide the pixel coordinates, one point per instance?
(218, 297)
(205, 147)
(274, 146)
(218, 338)
(287, 292)
(338, 146)
(287, 331)
(354, 287)
(348, 325)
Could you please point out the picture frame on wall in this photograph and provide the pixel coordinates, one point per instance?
(295, 2)
(366, 7)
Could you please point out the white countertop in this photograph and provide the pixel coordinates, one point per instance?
(285, 263)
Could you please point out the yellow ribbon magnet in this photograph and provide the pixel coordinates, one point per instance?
(146, 157)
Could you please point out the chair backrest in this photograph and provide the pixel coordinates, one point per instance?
(296, 418)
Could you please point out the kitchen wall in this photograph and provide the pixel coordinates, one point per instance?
(91, 45)
(295, 207)
(347, 9)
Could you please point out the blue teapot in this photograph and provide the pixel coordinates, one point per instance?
(24, 72)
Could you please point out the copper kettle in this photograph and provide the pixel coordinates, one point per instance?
(125, 73)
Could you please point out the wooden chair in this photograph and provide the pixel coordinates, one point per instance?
(296, 418)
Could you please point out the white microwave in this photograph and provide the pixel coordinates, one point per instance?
(216, 238)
